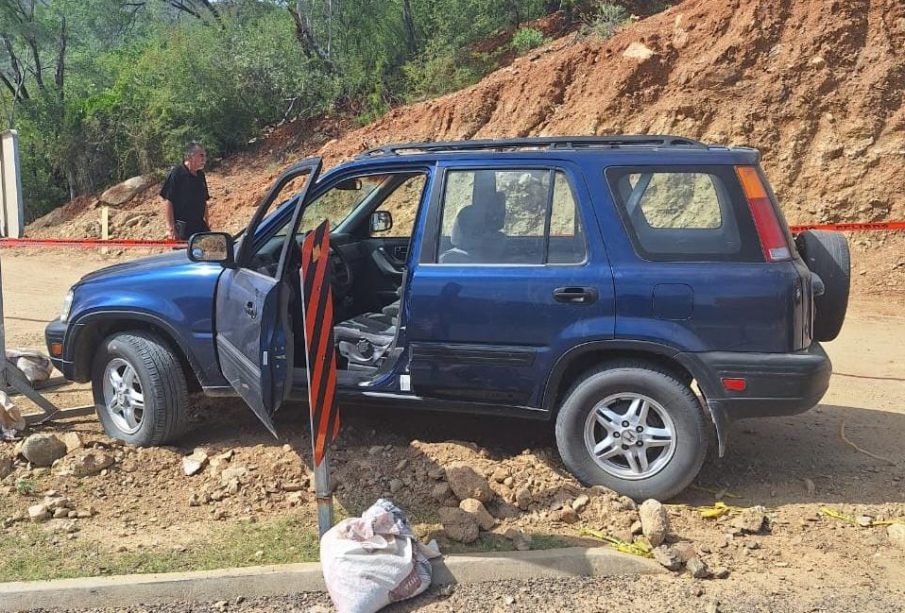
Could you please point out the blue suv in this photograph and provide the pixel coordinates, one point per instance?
(640, 293)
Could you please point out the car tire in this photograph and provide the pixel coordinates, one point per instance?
(671, 408)
(827, 255)
(140, 391)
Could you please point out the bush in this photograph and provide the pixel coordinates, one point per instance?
(606, 17)
(526, 39)
(440, 70)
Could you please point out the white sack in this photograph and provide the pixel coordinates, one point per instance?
(374, 560)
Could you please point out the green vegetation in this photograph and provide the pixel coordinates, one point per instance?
(105, 89)
(32, 555)
(606, 17)
(526, 39)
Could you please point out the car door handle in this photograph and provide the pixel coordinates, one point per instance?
(251, 309)
(575, 295)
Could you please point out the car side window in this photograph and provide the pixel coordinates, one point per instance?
(403, 205)
(684, 213)
(524, 216)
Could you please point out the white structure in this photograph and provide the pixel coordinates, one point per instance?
(12, 213)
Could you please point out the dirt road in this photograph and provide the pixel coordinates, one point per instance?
(793, 466)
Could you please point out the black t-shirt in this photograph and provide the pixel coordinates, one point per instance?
(188, 193)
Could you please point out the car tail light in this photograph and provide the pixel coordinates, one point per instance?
(766, 222)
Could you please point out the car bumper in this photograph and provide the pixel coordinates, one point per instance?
(55, 338)
(775, 383)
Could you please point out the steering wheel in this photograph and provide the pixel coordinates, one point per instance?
(340, 272)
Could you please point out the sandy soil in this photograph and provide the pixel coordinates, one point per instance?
(793, 466)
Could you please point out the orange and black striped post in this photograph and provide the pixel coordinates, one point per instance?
(317, 298)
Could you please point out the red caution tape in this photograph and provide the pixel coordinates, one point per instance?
(852, 227)
(87, 242)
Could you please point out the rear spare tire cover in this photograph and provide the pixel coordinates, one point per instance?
(827, 255)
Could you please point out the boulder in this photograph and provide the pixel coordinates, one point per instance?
(459, 525)
(86, 462)
(43, 449)
(38, 513)
(466, 482)
(896, 534)
(668, 558)
(6, 467)
(697, 568)
(654, 521)
(638, 51)
(481, 514)
(750, 520)
(443, 495)
(192, 464)
(125, 191)
(73, 441)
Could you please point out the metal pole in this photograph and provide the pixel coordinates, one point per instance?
(324, 494)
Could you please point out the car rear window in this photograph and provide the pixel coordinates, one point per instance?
(684, 213)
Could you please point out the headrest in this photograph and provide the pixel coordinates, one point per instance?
(478, 221)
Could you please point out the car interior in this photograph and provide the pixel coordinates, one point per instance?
(371, 220)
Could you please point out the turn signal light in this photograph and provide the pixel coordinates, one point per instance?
(56, 349)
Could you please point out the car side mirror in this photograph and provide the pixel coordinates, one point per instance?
(212, 247)
(381, 221)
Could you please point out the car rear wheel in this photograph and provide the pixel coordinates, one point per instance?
(827, 255)
(139, 387)
(634, 428)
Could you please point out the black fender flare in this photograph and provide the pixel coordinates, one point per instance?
(77, 328)
(708, 385)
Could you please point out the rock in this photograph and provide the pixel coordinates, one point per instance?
(684, 550)
(125, 191)
(476, 508)
(638, 51)
(750, 520)
(654, 521)
(233, 473)
(192, 464)
(581, 502)
(466, 482)
(402, 465)
(697, 568)
(61, 513)
(43, 449)
(85, 462)
(508, 481)
(865, 521)
(38, 513)
(435, 473)
(721, 572)
(6, 467)
(636, 527)
(566, 515)
(72, 440)
(668, 558)
(625, 503)
(896, 534)
(501, 474)
(443, 494)
(459, 525)
(712, 607)
(396, 485)
(523, 498)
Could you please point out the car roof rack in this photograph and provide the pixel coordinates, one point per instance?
(541, 142)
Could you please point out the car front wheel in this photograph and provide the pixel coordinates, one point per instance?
(139, 389)
(634, 428)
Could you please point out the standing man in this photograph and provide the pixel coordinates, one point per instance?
(185, 195)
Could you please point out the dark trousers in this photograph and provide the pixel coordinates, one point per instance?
(185, 229)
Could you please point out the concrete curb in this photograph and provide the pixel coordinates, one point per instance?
(227, 584)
